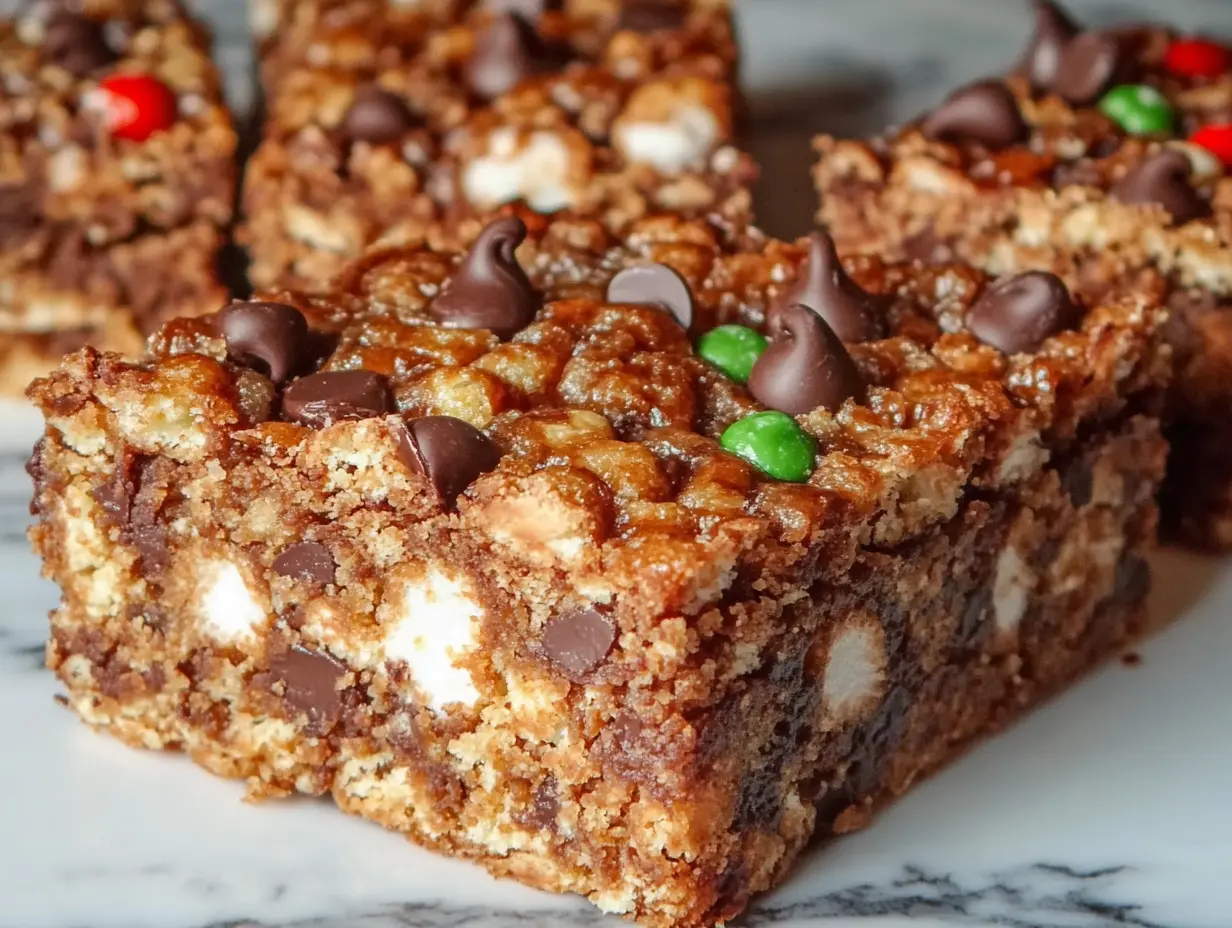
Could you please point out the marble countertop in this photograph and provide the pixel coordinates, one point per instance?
(1112, 806)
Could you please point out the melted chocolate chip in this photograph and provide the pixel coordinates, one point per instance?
(805, 366)
(308, 561)
(1163, 180)
(311, 685)
(985, 112)
(265, 336)
(647, 16)
(449, 452)
(78, 44)
(825, 288)
(490, 290)
(320, 400)
(1053, 31)
(1017, 313)
(505, 54)
(578, 641)
(1087, 67)
(653, 285)
(377, 117)
(151, 544)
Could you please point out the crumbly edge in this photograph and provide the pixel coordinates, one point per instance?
(622, 782)
(863, 682)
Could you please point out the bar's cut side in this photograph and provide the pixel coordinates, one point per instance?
(116, 178)
(502, 589)
(1103, 159)
(416, 120)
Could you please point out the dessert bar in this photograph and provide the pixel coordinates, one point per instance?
(622, 567)
(1103, 158)
(116, 178)
(418, 120)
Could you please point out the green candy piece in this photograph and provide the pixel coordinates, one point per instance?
(774, 444)
(1138, 109)
(733, 349)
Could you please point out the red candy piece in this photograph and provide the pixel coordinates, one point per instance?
(135, 106)
(1217, 139)
(1197, 58)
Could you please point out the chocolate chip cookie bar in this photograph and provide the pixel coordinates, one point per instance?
(623, 567)
(418, 120)
(1103, 158)
(116, 178)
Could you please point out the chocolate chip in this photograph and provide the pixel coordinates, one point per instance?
(505, 54)
(78, 44)
(825, 288)
(377, 117)
(985, 112)
(271, 335)
(544, 806)
(36, 468)
(320, 400)
(1163, 180)
(308, 561)
(490, 290)
(151, 544)
(578, 641)
(530, 9)
(653, 285)
(1078, 482)
(651, 15)
(1087, 67)
(449, 452)
(115, 496)
(1053, 31)
(1017, 313)
(311, 685)
(805, 366)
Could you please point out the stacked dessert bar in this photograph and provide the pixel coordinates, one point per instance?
(1103, 158)
(416, 120)
(542, 509)
(116, 178)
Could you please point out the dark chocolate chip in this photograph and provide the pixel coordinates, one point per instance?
(308, 561)
(544, 806)
(1054, 29)
(1017, 313)
(648, 16)
(1078, 481)
(805, 366)
(826, 289)
(115, 496)
(78, 44)
(377, 117)
(1087, 67)
(311, 681)
(505, 54)
(449, 452)
(490, 290)
(270, 334)
(320, 400)
(578, 641)
(653, 285)
(1163, 180)
(151, 544)
(530, 9)
(985, 112)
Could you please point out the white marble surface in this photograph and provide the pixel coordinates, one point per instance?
(1110, 807)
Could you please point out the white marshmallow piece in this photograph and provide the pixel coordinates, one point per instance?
(683, 141)
(854, 679)
(229, 610)
(436, 621)
(535, 171)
